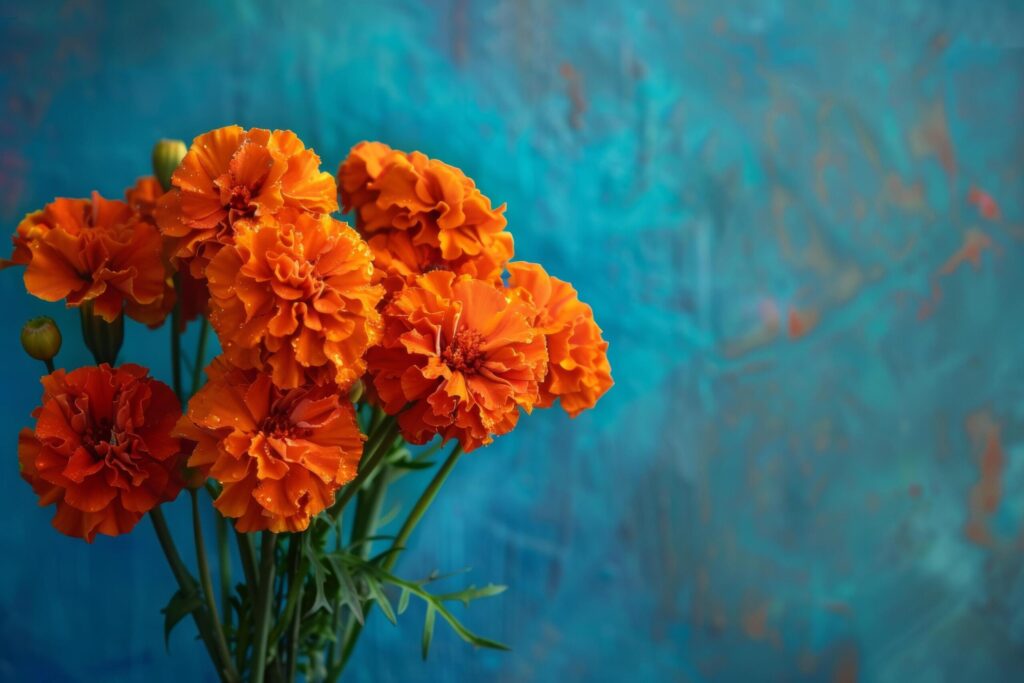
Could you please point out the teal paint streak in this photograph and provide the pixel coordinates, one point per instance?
(698, 173)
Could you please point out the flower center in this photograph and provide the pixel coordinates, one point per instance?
(464, 353)
(279, 425)
(239, 198)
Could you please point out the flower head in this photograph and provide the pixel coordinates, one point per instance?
(459, 358)
(95, 250)
(280, 455)
(143, 196)
(420, 215)
(233, 179)
(102, 448)
(578, 372)
(296, 298)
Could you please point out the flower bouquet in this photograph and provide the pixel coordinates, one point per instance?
(348, 358)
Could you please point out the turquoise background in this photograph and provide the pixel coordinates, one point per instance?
(811, 465)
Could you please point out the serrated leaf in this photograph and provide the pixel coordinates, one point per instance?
(178, 607)
(473, 593)
(349, 593)
(382, 600)
(428, 630)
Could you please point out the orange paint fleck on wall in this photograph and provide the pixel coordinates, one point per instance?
(931, 136)
(800, 323)
(986, 494)
(975, 242)
(987, 206)
(755, 622)
(847, 666)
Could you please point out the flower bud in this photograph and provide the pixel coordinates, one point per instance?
(167, 154)
(356, 392)
(102, 338)
(40, 337)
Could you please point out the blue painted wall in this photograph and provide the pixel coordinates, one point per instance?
(800, 226)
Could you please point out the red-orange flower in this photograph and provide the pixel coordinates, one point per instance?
(233, 179)
(459, 358)
(102, 448)
(94, 250)
(143, 196)
(280, 455)
(32, 227)
(420, 215)
(579, 372)
(296, 299)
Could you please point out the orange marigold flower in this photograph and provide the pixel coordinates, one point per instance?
(33, 226)
(399, 261)
(459, 358)
(280, 455)
(94, 250)
(297, 298)
(143, 196)
(233, 179)
(421, 214)
(102, 448)
(578, 371)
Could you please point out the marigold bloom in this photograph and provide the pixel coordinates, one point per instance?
(93, 250)
(102, 448)
(420, 214)
(578, 372)
(280, 455)
(143, 196)
(33, 226)
(233, 179)
(459, 358)
(296, 298)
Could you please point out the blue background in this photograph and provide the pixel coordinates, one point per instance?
(811, 465)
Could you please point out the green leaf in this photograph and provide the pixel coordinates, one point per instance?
(350, 595)
(403, 601)
(385, 605)
(428, 630)
(180, 606)
(473, 593)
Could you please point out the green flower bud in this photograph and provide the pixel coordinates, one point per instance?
(40, 337)
(102, 338)
(167, 154)
(356, 392)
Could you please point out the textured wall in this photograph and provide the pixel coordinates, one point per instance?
(800, 228)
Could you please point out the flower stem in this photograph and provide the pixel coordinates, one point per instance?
(186, 583)
(206, 580)
(416, 514)
(176, 341)
(378, 448)
(197, 367)
(49, 365)
(266, 595)
(354, 628)
(224, 565)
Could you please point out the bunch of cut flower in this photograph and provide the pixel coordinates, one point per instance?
(341, 350)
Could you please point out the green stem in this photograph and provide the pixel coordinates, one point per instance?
(416, 514)
(176, 340)
(197, 367)
(49, 365)
(379, 448)
(224, 565)
(206, 580)
(248, 556)
(354, 628)
(266, 596)
(293, 611)
(186, 583)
